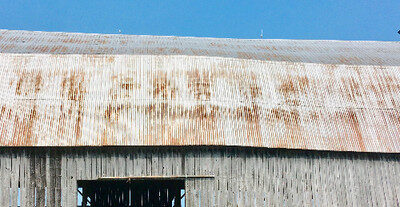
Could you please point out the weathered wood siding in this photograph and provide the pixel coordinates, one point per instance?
(243, 176)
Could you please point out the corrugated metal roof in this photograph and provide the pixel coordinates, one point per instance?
(111, 99)
(309, 51)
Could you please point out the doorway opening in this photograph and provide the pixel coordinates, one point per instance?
(131, 193)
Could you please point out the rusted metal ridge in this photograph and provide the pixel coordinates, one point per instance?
(305, 51)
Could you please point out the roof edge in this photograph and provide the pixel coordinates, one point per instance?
(194, 37)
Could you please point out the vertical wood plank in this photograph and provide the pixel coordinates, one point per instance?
(4, 179)
(23, 178)
(58, 178)
(15, 162)
(64, 179)
(31, 190)
(40, 175)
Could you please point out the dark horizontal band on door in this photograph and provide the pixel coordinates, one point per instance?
(156, 177)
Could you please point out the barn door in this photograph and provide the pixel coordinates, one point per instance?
(129, 193)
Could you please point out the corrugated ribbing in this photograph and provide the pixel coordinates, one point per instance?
(74, 100)
(310, 51)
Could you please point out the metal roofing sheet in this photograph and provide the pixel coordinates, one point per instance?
(310, 51)
(97, 100)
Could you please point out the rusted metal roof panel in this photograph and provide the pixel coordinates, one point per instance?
(100, 100)
(305, 51)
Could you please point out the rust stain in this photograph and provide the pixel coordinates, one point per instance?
(63, 84)
(394, 116)
(108, 112)
(111, 59)
(348, 60)
(200, 112)
(251, 115)
(76, 86)
(113, 111)
(59, 48)
(130, 85)
(199, 84)
(4, 129)
(255, 90)
(28, 83)
(314, 115)
(163, 86)
(160, 50)
(288, 90)
(73, 88)
(3, 109)
(61, 123)
(351, 88)
(168, 117)
(293, 86)
(81, 91)
(38, 82)
(292, 121)
(104, 139)
(42, 49)
(355, 125)
(287, 86)
(219, 45)
(304, 83)
(350, 117)
(176, 50)
(23, 130)
(101, 41)
(248, 113)
(75, 40)
(19, 84)
(245, 55)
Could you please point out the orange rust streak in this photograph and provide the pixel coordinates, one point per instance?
(355, 125)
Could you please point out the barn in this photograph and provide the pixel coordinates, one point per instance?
(124, 120)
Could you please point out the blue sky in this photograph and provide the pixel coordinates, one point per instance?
(280, 19)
